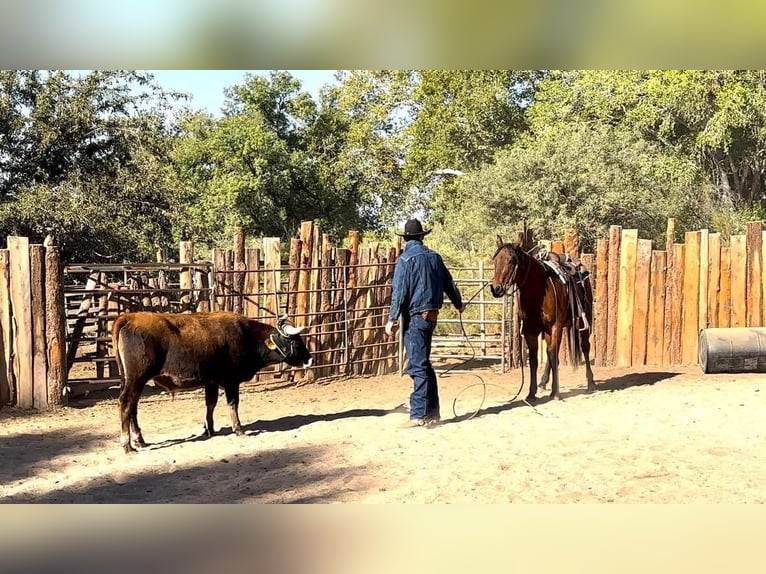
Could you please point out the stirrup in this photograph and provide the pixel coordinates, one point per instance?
(585, 323)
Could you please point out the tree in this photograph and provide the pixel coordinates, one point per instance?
(83, 158)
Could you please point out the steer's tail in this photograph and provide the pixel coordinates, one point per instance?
(119, 323)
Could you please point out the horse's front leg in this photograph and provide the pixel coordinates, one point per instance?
(532, 348)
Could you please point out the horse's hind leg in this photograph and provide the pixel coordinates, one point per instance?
(553, 341)
(532, 348)
(585, 346)
(546, 375)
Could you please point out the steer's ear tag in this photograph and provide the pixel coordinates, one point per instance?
(270, 344)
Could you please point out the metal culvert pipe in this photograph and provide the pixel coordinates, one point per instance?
(734, 350)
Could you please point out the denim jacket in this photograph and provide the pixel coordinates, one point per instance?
(420, 280)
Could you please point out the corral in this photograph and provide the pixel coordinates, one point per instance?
(656, 429)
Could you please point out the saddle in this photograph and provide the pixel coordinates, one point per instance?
(573, 275)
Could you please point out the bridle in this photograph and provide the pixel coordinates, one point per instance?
(516, 255)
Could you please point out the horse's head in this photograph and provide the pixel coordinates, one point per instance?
(506, 260)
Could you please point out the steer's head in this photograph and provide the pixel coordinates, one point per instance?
(288, 342)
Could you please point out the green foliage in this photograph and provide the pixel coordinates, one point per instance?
(82, 158)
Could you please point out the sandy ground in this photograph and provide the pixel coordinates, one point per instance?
(645, 436)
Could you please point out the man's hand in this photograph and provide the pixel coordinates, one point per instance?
(462, 307)
(391, 328)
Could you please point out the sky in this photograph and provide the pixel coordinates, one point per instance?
(206, 86)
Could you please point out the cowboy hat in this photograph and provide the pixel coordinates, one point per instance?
(413, 228)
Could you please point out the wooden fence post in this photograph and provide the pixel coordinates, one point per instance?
(22, 320)
(724, 295)
(624, 339)
(690, 316)
(186, 255)
(238, 278)
(754, 249)
(7, 384)
(656, 320)
(55, 327)
(613, 278)
(676, 313)
(738, 256)
(601, 301)
(714, 278)
(39, 359)
(272, 265)
(641, 301)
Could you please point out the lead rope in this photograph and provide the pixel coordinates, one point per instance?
(483, 384)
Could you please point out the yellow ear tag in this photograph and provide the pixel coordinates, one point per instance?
(270, 344)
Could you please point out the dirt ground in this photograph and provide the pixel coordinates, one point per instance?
(645, 436)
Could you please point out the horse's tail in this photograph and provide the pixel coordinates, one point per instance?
(576, 305)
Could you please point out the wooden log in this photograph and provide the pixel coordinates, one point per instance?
(625, 304)
(656, 320)
(219, 262)
(670, 235)
(238, 252)
(252, 283)
(353, 247)
(703, 263)
(55, 327)
(21, 309)
(691, 289)
(754, 296)
(724, 293)
(714, 278)
(304, 279)
(763, 277)
(572, 244)
(600, 302)
(667, 351)
(229, 281)
(201, 283)
(294, 277)
(272, 265)
(186, 255)
(641, 301)
(676, 323)
(39, 358)
(7, 384)
(738, 256)
(613, 293)
(316, 259)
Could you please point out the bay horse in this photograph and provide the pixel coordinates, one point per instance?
(547, 306)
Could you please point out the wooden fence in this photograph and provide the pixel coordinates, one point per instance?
(31, 325)
(649, 304)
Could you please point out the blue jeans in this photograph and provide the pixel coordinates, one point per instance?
(424, 400)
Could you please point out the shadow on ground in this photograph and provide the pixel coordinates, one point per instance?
(609, 385)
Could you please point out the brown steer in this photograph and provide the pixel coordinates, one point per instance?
(187, 351)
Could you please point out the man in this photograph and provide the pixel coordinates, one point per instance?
(420, 280)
